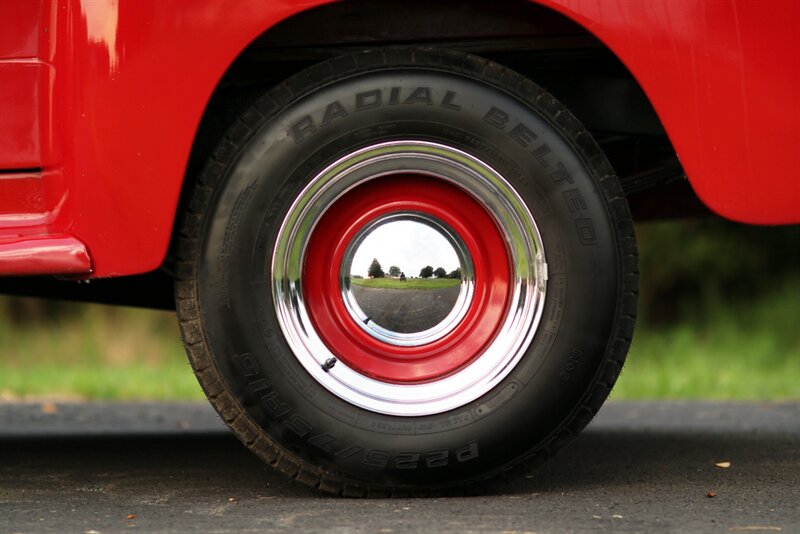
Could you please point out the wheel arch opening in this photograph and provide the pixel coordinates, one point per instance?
(540, 43)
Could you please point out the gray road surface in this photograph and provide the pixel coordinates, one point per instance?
(639, 467)
(406, 310)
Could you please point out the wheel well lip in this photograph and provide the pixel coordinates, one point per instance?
(322, 3)
(570, 15)
(697, 172)
(720, 165)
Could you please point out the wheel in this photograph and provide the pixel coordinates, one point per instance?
(406, 162)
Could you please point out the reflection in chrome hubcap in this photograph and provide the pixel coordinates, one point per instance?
(407, 309)
(512, 223)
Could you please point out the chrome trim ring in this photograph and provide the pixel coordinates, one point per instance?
(525, 303)
(466, 287)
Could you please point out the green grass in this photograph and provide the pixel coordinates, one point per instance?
(746, 348)
(411, 283)
(94, 352)
(100, 382)
(742, 349)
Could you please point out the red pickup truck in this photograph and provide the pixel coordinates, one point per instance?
(398, 235)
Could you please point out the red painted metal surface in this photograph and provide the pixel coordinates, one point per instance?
(339, 226)
(132, 80)
(127, 83)
(724, 77)
(26, 83)
(51, 254)
(25, 29)
(29, 203)
(26, 120)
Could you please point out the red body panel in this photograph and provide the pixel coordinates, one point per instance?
(26, 84)
(122, 86)
(26, 134)
(724, 77)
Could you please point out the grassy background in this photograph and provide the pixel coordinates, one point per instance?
(89, 351)
(411, 283)
(719, 319)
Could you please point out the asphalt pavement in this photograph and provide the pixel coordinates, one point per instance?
(639, 467)
(406, 310)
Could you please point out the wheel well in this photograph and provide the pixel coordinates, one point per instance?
(536, 41)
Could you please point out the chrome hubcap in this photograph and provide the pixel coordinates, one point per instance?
(413, 309)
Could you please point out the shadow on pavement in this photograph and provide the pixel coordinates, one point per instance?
(596, 459)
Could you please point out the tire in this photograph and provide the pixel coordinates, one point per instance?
(527, 359)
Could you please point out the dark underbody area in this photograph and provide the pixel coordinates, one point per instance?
(156, 289)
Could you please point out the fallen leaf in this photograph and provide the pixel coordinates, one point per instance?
(131, 516)
(723, 465)
(49, 407)
(711, 494)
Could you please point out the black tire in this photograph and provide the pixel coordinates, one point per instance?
(228, 232)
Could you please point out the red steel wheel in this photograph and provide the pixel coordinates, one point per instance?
(486, 286)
